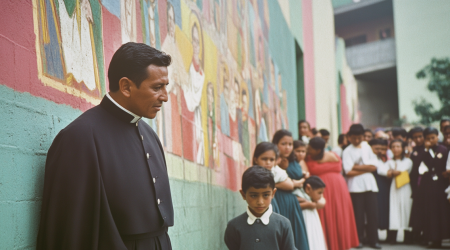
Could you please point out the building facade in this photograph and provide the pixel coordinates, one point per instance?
(241, 70)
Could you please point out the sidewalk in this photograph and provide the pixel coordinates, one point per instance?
(445, 245)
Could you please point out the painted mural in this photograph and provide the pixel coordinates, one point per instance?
(225, 91)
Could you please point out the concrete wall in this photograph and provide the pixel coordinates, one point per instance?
(421, 33)
(324, 68)
(47, 80)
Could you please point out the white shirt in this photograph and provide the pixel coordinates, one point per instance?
(136, 117)
(264, 218)
(364, 156)
(279, 174)
(337, 150)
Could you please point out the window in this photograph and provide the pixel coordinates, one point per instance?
(355, 40)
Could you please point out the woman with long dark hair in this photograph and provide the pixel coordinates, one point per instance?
(337, 216)
(288, 204)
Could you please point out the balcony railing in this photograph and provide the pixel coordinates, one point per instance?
(373, 56)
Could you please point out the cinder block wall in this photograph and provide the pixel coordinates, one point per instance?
(244, 47)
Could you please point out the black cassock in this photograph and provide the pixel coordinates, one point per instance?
(436, 208)
(106, 185)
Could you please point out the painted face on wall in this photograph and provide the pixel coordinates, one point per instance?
(196, 44)
(170, 20)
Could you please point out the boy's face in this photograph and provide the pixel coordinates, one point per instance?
(326, 138)
(368, 136)
(355, 140)
(418, 138)
(447, 137)
(315, 194)
(383, 151)
(376, 149)
(300, 153)
(431, 140)
(258, 199)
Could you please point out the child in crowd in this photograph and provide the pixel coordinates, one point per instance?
(311, 194)
(436, 212)
(266, 155)
(304, 130)
(259, 227)
(359, 162)
(300, 154)
(400, 201)
(402, 134)
(379, 148)
(342, 144)
(368, 135)
(326, 136)
(446, 140)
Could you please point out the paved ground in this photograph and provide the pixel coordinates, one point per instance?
(407, 247)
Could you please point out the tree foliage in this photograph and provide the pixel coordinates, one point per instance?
(438, 75)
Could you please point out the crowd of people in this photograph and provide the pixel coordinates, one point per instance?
(339, 198)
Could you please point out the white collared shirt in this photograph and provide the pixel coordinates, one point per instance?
(136, 117)
(264, 218)
(364, 156)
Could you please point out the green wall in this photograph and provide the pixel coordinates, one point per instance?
(421, 32)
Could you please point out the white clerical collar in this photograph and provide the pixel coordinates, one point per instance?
(264, 218)
(135, 119)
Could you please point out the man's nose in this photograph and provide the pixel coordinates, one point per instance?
(164, 96)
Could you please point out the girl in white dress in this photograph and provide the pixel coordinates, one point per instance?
(311, 194)
(400, 201)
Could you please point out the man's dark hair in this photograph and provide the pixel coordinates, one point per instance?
(318, 143)
(263, 147)
(414, 130)
(131, 61)
(429, 131)
(356, 129)
(444, 120)
(378, 141)
(257, 177)
(324, 132)
(399, 132)
(315, 182)
(341, 138)
(278, 136)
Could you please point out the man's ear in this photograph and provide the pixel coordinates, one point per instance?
(125, 85)
(242, 193)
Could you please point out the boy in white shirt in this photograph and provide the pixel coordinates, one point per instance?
(359, 162)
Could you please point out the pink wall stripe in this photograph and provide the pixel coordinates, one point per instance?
(308, 42)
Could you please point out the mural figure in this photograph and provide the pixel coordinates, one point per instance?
(128, 20)
(224, 97)
(151, 21)
(211, 125)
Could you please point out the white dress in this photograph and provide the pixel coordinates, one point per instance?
(316, 239)
(400, 201)
(279, 174)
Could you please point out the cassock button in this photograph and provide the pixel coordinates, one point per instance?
(258, 221)
(142, 137)
(159, 201)
(257, 240)
(154, 180)
(148, 156)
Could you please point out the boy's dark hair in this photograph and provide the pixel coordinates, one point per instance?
(445, 128)
(314, 131)
(263, 147)
(278, 136)
(356, 129)
(399, 132)
(315, 182)
(257, 177)
(131, 61)
(378, 141)
(430, 130)
(324, 132)
(402, 143)
(298, 143)
(369, 130)
(341, 138)
(414, 130)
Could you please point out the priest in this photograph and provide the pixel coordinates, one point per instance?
(106, 184)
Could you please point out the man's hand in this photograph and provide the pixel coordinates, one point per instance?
(396, 173)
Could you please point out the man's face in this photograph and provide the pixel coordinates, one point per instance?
(147, 100)
(258, 199)
(196, 44)
(376, 149)
(368, 136)
(399, 137)
(447, 136)
(326, 138)
(355, 140)
(383, 151)
(431, 140)
(171, 22)
(443, 125)
(418, 138)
